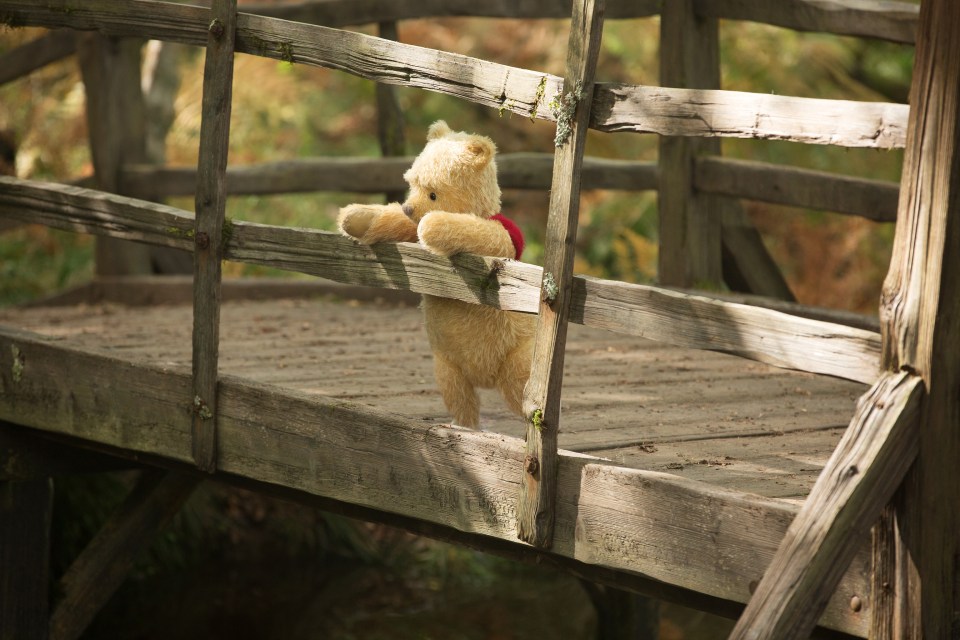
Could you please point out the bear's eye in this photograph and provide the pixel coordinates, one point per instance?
(433, 196)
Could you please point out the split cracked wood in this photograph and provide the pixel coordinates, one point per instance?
(541, 403)
(209, 229)
(861, 476)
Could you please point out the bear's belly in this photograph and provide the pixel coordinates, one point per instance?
(475, 338)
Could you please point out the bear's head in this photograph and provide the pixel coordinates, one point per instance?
(455, 172)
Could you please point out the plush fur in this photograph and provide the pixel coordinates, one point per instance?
(453, 193)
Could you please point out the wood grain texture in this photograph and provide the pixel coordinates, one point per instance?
(462, 479)
(678, 112)
(375, 175)
(702, 112)
(682, 319)
(211, 203)
(37, 54)
(688, 222)
(390, 120)
(103, 565)
(919, 309)
(872, 199)
(858, 481)
(110, 69)
(895, 21)
(541, 397)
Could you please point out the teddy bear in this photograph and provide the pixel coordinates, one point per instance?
(453, 206)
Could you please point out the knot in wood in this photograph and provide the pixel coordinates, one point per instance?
(202, 240)
(216, 29)
(531, 465)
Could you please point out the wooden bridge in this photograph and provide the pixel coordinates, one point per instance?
(789, 466)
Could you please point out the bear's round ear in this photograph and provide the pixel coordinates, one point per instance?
(437, 130)
(481, 150)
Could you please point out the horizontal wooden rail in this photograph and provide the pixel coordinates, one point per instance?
(673, 317)
(717, 113)
(376, 175)
(624, 519)
(896, 21)
(872, 199)
(666, 111)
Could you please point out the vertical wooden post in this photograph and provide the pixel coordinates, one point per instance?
(25, 509)
(689, 230)
(919, 315)
(209, 233)
(390, 115)
(115, 120)
(535, 514)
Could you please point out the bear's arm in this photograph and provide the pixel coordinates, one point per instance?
(373, 223)
(446, 234)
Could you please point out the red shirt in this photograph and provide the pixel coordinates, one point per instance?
(516, 236)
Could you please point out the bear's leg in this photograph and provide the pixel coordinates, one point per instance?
(458, 394)
(513, 376)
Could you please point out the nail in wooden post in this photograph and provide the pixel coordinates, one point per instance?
(209, 230)
(535, 514)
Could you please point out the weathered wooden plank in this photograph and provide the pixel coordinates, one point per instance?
(25, 510)
(895, 21)
(872, 199)
(616, 107)
(103, 565)
(211, 203)
(541, 396)
(702, 112)
(689, 227)
(36, 54)
(860, 478)
(919, 308)
(375, 175)
(115, 118)
(466, 480)
(677, 318)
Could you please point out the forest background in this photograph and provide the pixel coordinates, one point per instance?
(283, 111)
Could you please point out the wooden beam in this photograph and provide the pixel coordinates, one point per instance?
(541, 403)
(103, 565)
(872, 199)
(689, 227)
(701, 112)
(209, 239)
(678, 318)
(895, 21)
(115, 118)
(36, 54)
(747, 265)
(667, 111)
(919, 310)
(858, 480)
(25, 510)
(621, 519)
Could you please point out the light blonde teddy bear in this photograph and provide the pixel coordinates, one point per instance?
(453, 207)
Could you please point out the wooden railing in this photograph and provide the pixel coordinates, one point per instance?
(688, 115)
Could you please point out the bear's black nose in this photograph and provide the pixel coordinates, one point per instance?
(407, 210)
